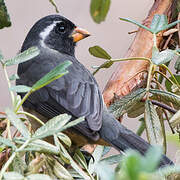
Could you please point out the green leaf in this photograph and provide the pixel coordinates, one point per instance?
(169, 170)
(39, 146)
(17, 101)
(54, 74)
(54, 4)
(174, 138)
(18, 164)
(141, 127)
(155, 52)
(172, 24)
(136, 23)
(38, 177)
(64, 156)
(24, 56)
(167, 96)
(14, 119)
(123, 105)
(1, 57)
(99, 52)
(72, 162)
(97, 154)
(64, 138)
(73, 123)
(131, 165)
(52, 126)
(13, 176)
(170, 86)
(104, 171)
(61, 172)
(136, 110)
(99, 9)
(153, 125)
(4, 16)
(13, 77)
(20, 88)
(106, 150)
(163, 56)
(7, 142)
(175, 119)
(79, 157)
(153, 157)
(114, 159)
(177, 65)
(158, 23)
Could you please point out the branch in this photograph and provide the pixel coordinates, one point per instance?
(121, 81)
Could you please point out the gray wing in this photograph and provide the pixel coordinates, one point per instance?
(76, 93)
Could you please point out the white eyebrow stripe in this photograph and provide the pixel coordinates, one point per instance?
(47, 30)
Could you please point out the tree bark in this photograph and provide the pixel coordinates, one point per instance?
(130, 74)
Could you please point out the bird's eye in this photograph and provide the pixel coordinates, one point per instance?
(61, 27)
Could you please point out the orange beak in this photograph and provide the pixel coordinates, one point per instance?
(79, 34)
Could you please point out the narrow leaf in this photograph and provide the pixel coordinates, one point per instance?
(56, 73)
(24, 56)
(153, 157)
(114, 159)
(73, 123)
(1, 57)
(38, 177)
(131, 165)
(99, 9)
(97, 154)
(169, 86)
(17, 101)
(18, 164)
(13, 77)
(13, 176)
(99, 52)
(17, 123)
(64, 156)
(73, 163)
(177, 65)
(164, 56)
(136, 23)
(174, 138)
(167, 96)
(171, 25)
(7, 142)
(79, 157)
(54, 4)
(104, 171)
(52, 126)
(175, 119)
(136, 110)
(158, 23)
(153, 125)
(64, 138)
(61, 172)
(20, 88)
(4, 16)
(39, 146)
(123, 105)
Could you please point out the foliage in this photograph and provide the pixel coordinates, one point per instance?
(29, 156)
(168, 100)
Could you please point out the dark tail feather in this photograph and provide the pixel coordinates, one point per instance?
(121, 138)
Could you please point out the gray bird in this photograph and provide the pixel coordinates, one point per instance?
(76, 93)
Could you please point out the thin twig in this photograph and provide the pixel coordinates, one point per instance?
(165, 113)
(167, 42)
(164, 106)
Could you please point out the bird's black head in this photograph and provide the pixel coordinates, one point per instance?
(54, 32)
